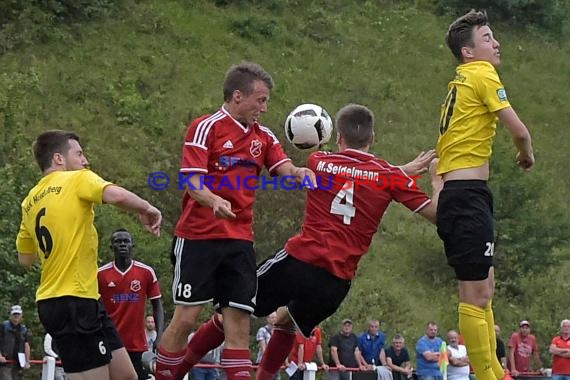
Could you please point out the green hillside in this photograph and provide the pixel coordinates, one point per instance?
(128, 83)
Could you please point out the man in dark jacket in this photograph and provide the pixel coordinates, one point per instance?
(14, 343)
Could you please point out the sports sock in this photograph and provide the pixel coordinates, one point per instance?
(495, 364)
(474, 329)
(236, 364)
(167, 362)
(278, 347)
(209, 336)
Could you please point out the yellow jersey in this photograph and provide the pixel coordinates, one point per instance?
(468, 120)
(57, 224)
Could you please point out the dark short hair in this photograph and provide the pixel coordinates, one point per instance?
(460, 32)
(355, 123)
(122, 230)
(242, 77)
(49, 143)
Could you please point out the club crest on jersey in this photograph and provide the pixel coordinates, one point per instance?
(255, 148)
(135, 285)
(502, 94)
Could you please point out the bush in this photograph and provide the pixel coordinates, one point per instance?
(549, 15)
(23, 22)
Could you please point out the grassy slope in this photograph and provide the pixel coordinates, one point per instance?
(163, 63)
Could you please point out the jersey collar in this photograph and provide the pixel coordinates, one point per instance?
(244, 129)
(356, 152)
(126, 270)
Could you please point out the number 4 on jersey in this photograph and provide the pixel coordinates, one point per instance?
(346, 209)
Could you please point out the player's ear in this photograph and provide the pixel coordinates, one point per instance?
(237, 96)
(466, 52)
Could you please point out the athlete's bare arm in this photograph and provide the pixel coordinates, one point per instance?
(521, 137)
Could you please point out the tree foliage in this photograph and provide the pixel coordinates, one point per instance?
(527, 233)
(549, 15)
(23, 22)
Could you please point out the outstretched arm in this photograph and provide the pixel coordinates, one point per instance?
(149, 215)
(430, 211)
(420, 164)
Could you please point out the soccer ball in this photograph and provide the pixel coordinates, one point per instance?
(308, 126)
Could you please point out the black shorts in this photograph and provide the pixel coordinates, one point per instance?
(82, 331)
(466, 226)
(218, 270)
(311, 293)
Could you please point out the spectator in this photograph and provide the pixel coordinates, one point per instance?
(458, 368)
(125, 285)
(560, 350)
(262, 337)
(304, 351)
(501, 351)
(14, 342)
(344, 352)
(150, 331)
(522, 346)
(50, 349)
(398, 359)
(212, 357)
(427, 354)
(372, 355)
(371, 346)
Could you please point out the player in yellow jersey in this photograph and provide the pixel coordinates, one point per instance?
(476, 99)
(57, 226)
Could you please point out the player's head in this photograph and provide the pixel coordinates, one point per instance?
(355, 127)
(59, 150)
(122, 243)
(246, 91)
(470, 38)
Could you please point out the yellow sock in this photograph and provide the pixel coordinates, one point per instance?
(474, 329)
(495, 364)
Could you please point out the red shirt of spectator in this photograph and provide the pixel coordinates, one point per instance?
(560, 350)
(309, 345)
(523, 348)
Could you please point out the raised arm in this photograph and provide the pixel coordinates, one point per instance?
(300, 174)
(430, 211)
(420, 164)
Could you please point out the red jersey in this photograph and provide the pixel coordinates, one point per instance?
(561, 365)
(343, 213)
(309, 345)
(523, 348)
(230, 156)
(124, 296)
